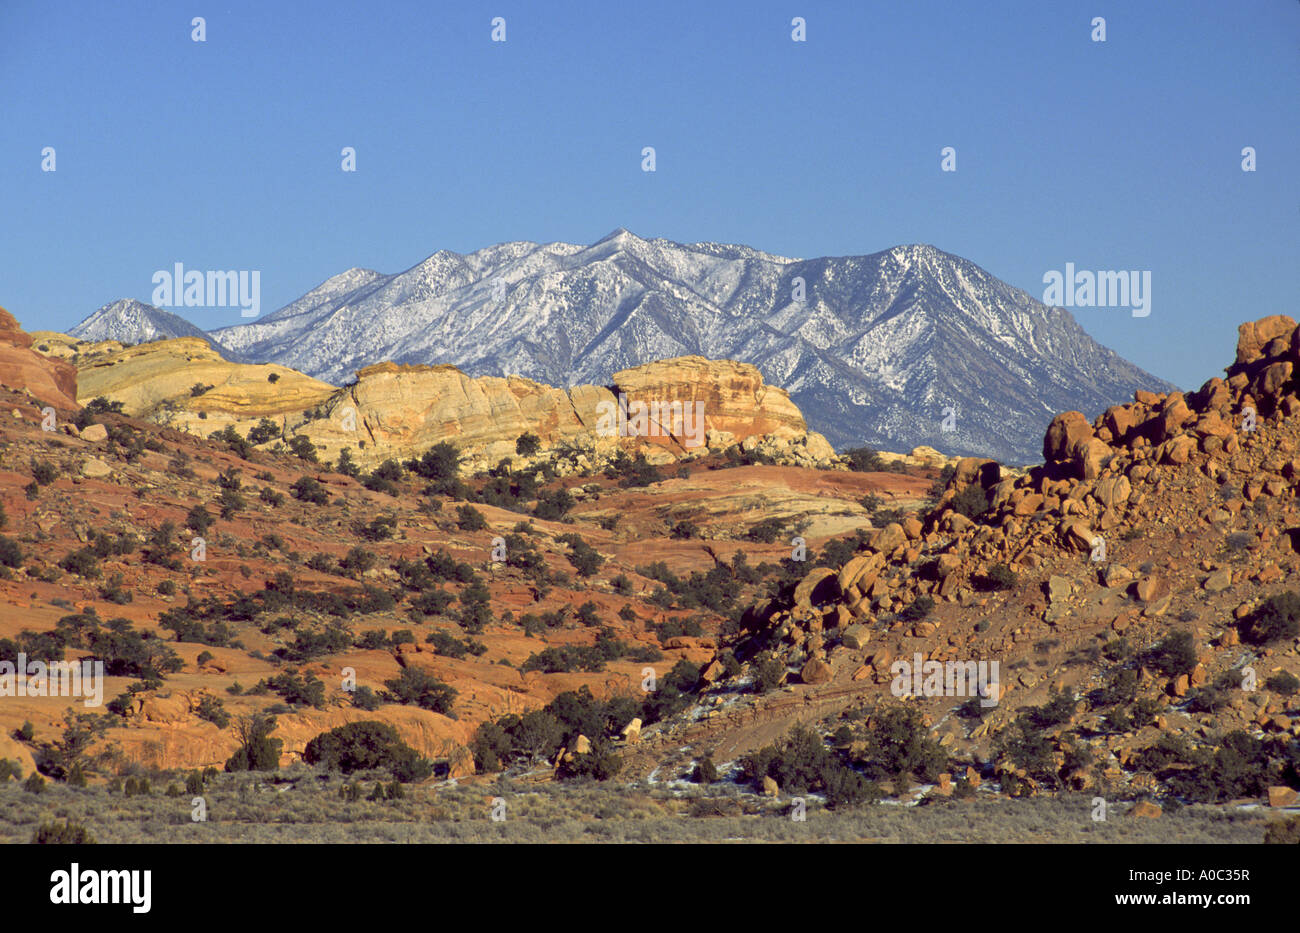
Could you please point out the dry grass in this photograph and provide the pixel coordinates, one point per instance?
(305, 807)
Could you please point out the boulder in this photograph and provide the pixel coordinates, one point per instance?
(1253, 336)
(1066, 430)
(94, 433)
(94, 468)
(818, 587)
(816, 672)
(1145, 809)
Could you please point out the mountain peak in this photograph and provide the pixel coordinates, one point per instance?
(875, 350)
(131, 321)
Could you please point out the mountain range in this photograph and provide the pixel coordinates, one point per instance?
(905, 347)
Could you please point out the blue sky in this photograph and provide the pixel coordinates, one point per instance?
(225, 154)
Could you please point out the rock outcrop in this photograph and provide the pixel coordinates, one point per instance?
(49, 381)
(402, 411)
(185, 384)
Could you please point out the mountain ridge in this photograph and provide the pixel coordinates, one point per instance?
(876, 352)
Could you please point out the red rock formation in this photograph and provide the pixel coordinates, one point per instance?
(52, 382)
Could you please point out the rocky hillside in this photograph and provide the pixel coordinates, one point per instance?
(872, 349)
(1136, 589)
(397, 412)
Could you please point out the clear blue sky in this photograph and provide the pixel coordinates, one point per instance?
(226, 154)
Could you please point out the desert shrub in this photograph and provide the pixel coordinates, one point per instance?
(11, 553)
(44, 473)
(899, 744)
(265, 430)
(919, 608)
(234, 441)
(972, 501)
(366, 745)
(864, 460)
(684, 529)
(1283, 832)
(766, 531)
(199, 519)
(452, 647)
(1275, 618)
(633, 472)
(378, 529)
(302, 448)
(767, 674)
(469, 518)
(419, 688)
(998, 577)
(1058, 710)
(585, 559)
(82, 562)
(475, 607)
(257, 750)
(366, 699)
(553, 505)
(113, 590)
(1283, 682)
(273, 498)
(1174, 655)
(540, 734)
(65, 833)
(803, 763)
(309, 489)
(212, 709)
(346, 465)
(440, 464)
(527, 444)
(705, 771)
(431, 602)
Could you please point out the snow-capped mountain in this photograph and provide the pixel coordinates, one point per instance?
(875, 352)
(131, 321)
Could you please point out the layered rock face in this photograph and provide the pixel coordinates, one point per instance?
(691, 405)
(670, 409)
(158, 380)
(51, 382)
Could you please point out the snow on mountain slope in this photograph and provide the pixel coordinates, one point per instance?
(131, 321)
(878, 350)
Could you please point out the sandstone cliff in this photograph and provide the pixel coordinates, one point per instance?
(49, 381)
(401, 411)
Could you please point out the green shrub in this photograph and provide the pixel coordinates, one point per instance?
(1283, 682)
(362, 746)
(899, 744)
(1174, 655)
(527, 444)
(44, 473)
(998, 577)
(469, 518)
(972, 501)
(257, 750)
(706, 772)
(864, 460)
(1276, 618)
(65, 833)
(309, 489)
(416, 687)
(11, 554)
